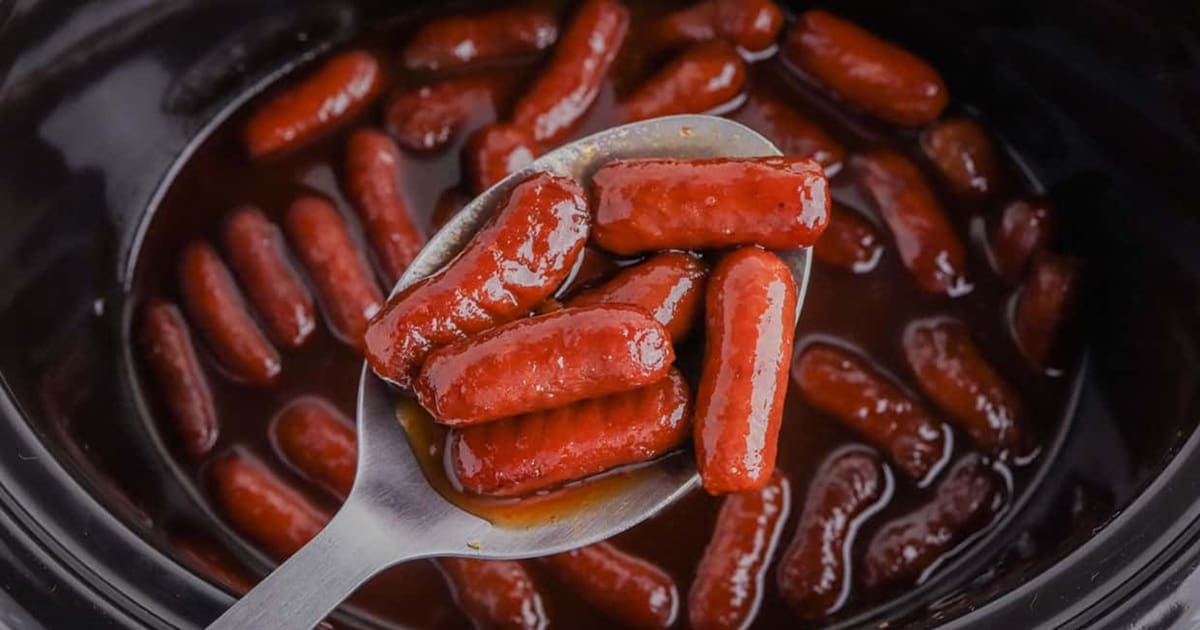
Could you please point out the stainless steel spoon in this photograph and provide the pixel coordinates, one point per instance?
(393, 514)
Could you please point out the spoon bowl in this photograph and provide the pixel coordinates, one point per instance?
(393, 514)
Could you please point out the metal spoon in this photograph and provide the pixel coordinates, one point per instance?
(393, 514)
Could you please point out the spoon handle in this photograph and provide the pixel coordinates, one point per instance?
(302, 591)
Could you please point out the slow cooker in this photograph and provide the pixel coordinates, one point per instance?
(98, 99)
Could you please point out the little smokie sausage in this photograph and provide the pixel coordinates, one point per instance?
(1042, 305)
(455, 41)
(954, 375)
(962, 504)
(622, 587)
(316, 440)
(924, 237)
(215, 304)
(814, 574)
(844, 386)
(728, 587)
(790, 131)
(544, 362)
(347, 288)
(495, 593)
(264, 508)
(333, 93)
(517, 456)
(427, 118)
(214, 562)
(497, 151)
(570, 83)
(849, 242)
(701, 78)
(1025, 228)
(259, 257)
(876, 75)
(373, 185)
(512, 264)
(750, 311)
(669, 286)
(653, 204)
(751, 24)
(174, 367)
(964, 156)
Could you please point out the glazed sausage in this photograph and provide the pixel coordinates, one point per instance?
(318, 441)
(624, 588)
(428, 117)
(447, 205)
(750, 311)
(1025, 229)
(669, 286)
(497, 151)
(790, 131)
(964, 156)
(171, 359)
(844, 386)
(954, 375)
(260, 260)
(373, 185)
(963, 504)
(216, 306)
(495, 593)
(333, 93)
(653, 204)
(924, 237)
(751, 24)
(593, 266)
(1042, 305)
(570, 83)
(213, 562)
(874, 74)
(701, 78)
(850, 242)
(728, 587)
(343, 280)
(814, 575)
(455, 41)
(544, 362)
(264, 508)
(517, 456)
(511, 265)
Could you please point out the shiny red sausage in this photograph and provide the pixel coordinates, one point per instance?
(669, 286)
(1042, 305)
(924, 237)
(331, 94)
(874, 74)
(259, 257)
(495, 593)
(171, 359)
(457, 40)
(954, 375)
(215, 304)
(790, 131)
(843, 385)
(622, 587)
(751, 24)
(428, 117)
(652, 204)
(962, 504)
(570, 83)
(728, 588)
(511, 265)
(264, 508)
(544, 362)
(497, 151)
(374, 187)
(701, 78)
(1025, 229)
(964, 156)
(521, 455)
(850, 242)
(750, 310)
(312, 436)
(348, 291)
(814, 575)
(214, 562)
